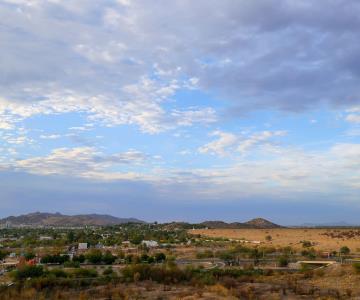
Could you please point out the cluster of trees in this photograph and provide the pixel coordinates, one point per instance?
(145, 258)
(172, 274)
(3, 254)
(55, 259)
(97, 257)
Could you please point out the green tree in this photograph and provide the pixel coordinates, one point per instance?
(94, 256)
(283, 261)
(345, 250)
(108, 258)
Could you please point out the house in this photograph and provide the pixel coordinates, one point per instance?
(45, 238)
(82, 246)
(150, 244)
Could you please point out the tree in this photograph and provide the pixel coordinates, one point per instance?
(160, 257)
(3, 254)
(71, 236)
(79, 258)
(94, 256)
(28, 271)
(345, 250)
(283, 261)
(29, 255)
(108, 258)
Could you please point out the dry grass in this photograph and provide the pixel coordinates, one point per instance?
(323, 239)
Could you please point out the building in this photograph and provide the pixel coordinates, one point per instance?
(150, 244)
(82, 246)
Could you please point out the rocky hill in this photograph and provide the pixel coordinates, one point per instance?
(259, 223)
(57, 219)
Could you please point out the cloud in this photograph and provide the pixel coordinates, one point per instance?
(84, 162)
(140, 105)
(88, 57)
(353, 115)
(224, 141)
(231, 143)
(50, 136)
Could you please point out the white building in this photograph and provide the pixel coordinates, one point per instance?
(82, 246)
(150, 244)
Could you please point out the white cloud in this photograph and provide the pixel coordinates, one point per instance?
(84, 162)
(227, 143)
(50, 136)
(353, 115)
(219, 146)
(140, 104)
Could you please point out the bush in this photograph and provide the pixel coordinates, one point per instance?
(205, 254)
(283, 261)
(356, 267)
(28, 272)
(306, 244)
(108, 271)
(80, 258)
(29, 255)
(71, 264)
(3, 254)
(85, 273)
(160, 257)
(94, 256)
(108, 258)
(58, 273)
(55, 259)
(345, 250)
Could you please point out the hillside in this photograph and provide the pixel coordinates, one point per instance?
(57, 219)
(254, 223)
(261, 223)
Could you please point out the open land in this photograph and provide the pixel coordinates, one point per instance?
(327, 239)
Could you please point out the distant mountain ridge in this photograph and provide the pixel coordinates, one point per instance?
(257, 223)
(57, 219)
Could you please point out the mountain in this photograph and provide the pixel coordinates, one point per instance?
(262, 223)
(224, 225)
(57, 219)
(259, 223)
(331, 224)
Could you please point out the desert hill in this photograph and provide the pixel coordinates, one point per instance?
(57, 219)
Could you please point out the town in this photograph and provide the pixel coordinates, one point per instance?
(176, 259)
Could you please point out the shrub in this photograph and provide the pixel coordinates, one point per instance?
(54, 259)
(84, 273)
(71, 264)
(160, 257)
(108, 258)
(94, 256)
(80, 258)
(356, 267)
(28, 272)
(108, 271)
(283, 261)
(345, 250)
(205, 254)
(59, 273)
(306, 244)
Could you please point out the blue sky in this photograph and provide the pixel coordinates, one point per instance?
(181, 110)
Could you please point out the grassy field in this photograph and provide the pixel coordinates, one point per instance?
(322, 239)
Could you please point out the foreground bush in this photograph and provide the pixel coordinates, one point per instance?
(28, 272)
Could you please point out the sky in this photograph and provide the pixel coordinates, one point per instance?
(181, 110)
